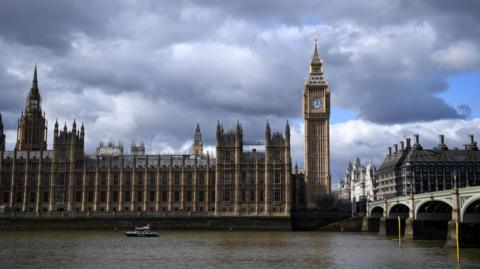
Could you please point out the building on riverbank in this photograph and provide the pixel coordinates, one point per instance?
(411, 168)
(358, 182)
(357, 186)
(235, 183)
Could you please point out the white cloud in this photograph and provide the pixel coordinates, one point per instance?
(463, 55)
(369, 141)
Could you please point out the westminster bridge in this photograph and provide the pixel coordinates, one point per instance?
(430, 215)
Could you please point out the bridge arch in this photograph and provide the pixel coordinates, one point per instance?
(422, 203)
(398, 209)
(434, 210)
(473, 203)
(377, 212)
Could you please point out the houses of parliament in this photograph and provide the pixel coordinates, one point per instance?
(236, 182)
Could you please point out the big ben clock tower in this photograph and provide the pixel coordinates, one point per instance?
(316, 112)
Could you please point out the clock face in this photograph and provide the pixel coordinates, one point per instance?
(316, 103)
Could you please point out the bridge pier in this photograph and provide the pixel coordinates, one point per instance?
(451, 234)
(382, 228)
(452, 229)
(409, 231)
(365, 226)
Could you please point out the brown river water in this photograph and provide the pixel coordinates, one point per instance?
(206, 249)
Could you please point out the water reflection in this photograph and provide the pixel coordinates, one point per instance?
(223, 250)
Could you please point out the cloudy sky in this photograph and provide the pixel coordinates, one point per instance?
(150, 70)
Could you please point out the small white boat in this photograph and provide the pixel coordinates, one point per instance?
(141, 232)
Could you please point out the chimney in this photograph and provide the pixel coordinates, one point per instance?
(472, 145)
(441, 143)
(396, 148)
(389, 151)
(417, 142)
(408, 143)
(402, 146)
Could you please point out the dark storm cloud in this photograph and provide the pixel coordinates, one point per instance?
(50, 24)
(133, 69)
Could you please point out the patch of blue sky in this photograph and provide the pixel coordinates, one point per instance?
(464, 89)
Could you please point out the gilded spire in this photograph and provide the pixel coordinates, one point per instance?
(316, 58)
(316, 69)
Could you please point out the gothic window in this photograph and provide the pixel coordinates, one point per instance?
(244, 196)
(78, 196)
(226, 196)
(32, 197)
(45, 196)
(140, 179)
(189, 178)
(152, 196)
(114, 196)
(201, 196)
(61, 179)
(6, 197)
(128, 180)
(227, 179)
(7, 180)
(115, 179)
(189, 196)
(276, 196)
(212, 196)
(164, 196)
(90, 196)
(276, 155)
(252, 196)
(102, 196)
(60, 196)
(91, 179)
(127, 196)
(78, 179)
(261, 196)
(152, 179)
(176, 196)
(139, 196)
(164, 179)
(177, 178)
(202, 179)
(20, 179)
(278, 177)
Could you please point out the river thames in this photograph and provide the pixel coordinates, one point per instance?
(188, 249)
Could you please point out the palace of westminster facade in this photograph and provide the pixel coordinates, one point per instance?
(234, 183)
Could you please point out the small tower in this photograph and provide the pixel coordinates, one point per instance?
(2, 135)
(137, 150)
(68, 145)
(197, 148)
(32, 126)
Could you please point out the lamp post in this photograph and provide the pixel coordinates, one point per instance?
(453, 230)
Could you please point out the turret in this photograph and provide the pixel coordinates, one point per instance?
(197, 147)
(219, 132)
(2, 135)
(82, 132)
(287, 133)
(74, 127)
(268, 134)
(32, 126)
(55, 130)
